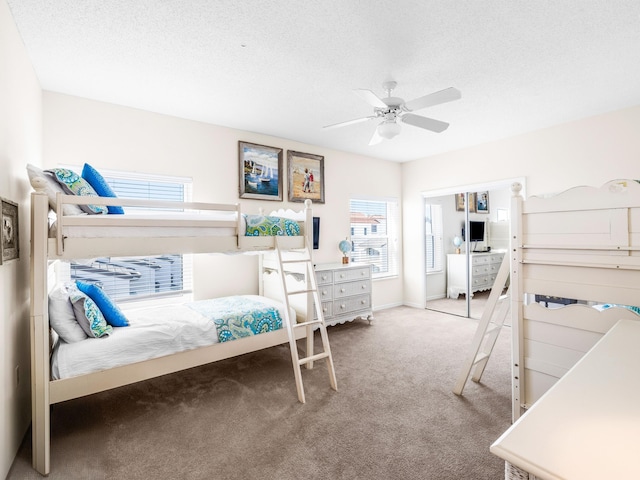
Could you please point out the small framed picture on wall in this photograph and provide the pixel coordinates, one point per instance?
(260, 171)
(460, 202)
(482, 202)
(10, 244)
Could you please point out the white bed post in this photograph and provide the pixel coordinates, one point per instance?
(517, 353)
(39, 334)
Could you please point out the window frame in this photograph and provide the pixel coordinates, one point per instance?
(392, 228)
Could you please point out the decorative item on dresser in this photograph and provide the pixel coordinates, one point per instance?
(483, 268)
(345, 292)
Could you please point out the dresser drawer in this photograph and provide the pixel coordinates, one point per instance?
(479, 281)
(480, 260)
(480, 270)
(325, 292)
(324, 277)
(327, 310)
(353, 288)
(351, 274)
(352, 304)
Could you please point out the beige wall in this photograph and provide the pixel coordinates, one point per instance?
(109, 136)
(20, 143)
(586, 152)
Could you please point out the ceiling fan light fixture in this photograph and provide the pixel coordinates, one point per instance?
(389, 129)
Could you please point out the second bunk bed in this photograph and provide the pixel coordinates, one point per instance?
(200, 330)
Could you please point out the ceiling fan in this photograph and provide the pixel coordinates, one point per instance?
(391, 110)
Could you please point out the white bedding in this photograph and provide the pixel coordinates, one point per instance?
(153, 332)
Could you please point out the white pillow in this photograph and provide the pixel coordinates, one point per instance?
(62, 317)
(52, 187)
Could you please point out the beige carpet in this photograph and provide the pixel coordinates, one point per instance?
(394, 416)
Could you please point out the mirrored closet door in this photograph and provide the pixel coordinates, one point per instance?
(466, 238)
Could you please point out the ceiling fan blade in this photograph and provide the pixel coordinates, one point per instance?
(349, 122)
(424, 122)
(436, 98)
(375, 138)
(370, 97)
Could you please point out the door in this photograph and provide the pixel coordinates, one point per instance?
(466, 235)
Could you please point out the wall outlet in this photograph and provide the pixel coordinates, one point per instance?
(17, 376)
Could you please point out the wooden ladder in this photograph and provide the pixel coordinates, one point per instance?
(303, 256)
(488, 329)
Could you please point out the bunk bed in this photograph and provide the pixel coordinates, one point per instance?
(575, 282)
(191, 228)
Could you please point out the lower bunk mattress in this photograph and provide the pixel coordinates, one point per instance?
(168, 329)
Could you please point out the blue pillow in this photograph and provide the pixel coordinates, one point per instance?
(100, 185)
(112, 313)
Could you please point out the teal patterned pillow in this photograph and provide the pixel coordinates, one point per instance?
(89, 316)
(74, 184)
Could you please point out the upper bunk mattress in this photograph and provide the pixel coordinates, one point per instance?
(175, 224)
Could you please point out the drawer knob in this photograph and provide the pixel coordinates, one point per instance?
(342, 290)
(363, 302)
(324, 309)
(363, 286)
(342, 275)
(324, 292)
(343, 306)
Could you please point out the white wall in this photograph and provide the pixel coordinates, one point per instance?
(591, 151)
(109, 136)
(20, 143)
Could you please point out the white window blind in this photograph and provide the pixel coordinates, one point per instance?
(434, 253)
(141, 278)
(374, 227)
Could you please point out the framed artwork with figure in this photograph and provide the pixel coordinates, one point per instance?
(306, 177)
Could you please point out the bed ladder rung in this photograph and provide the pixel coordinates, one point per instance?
(313, 358)
(301, 260)
(298, 292)
(311, 289)
(304, 324)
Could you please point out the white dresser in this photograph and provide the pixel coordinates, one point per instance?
(483, 269)
(345, 292)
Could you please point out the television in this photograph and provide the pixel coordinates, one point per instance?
(316, 233)
(476, 231)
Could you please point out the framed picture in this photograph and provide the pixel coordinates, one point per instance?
(482, 202)
(460, 202)
(306, 177)
(10, 244)
(260, 171)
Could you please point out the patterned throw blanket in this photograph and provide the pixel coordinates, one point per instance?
(260, 225)
(237, 317)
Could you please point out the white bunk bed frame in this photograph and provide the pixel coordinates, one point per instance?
(581, 244)
(573, 366)
(46, 392)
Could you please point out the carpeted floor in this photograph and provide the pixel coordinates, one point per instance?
(394, 416)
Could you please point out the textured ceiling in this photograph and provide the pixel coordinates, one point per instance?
(286, 68)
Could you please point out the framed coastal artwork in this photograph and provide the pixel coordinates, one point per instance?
(460, 202)
(10, 244)
(482, 202)
(306, 177)
(260, 171)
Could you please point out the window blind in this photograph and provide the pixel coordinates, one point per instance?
(434, 252)
(140, 278)
(374, 227)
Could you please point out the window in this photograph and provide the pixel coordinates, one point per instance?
(374, 227)
(433, 238)
(140, 278)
